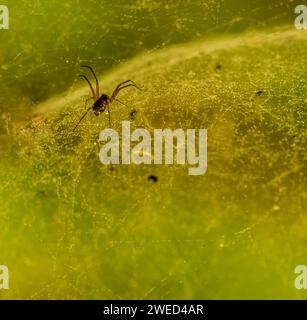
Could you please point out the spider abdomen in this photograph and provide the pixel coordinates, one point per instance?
(101, 104)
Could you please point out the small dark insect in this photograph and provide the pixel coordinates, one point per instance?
(101, 103)
(132, 114)
(218, 66)
(259, 93)
(152, 178)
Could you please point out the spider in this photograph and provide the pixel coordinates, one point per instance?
(101, 103)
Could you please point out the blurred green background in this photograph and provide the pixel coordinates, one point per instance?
(48, 40)
(72, 228)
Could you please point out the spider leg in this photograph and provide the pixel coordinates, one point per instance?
(97, 82)
(119, 88)
(120, 84)
(109, 115)
(122, 103)
(132, 83)
(82, 118)
(89, 83)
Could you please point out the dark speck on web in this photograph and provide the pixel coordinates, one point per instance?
(133, 114)
(259, 93)
(153, 178)
(42, 193)
(218, 67)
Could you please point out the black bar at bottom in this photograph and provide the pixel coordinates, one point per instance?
(132, 309)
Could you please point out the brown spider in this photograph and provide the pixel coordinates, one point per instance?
(101, 103)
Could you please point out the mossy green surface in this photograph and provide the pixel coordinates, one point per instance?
(74, 228)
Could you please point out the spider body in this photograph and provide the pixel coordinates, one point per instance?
(101, 103)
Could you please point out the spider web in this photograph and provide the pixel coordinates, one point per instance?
(98, 233)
